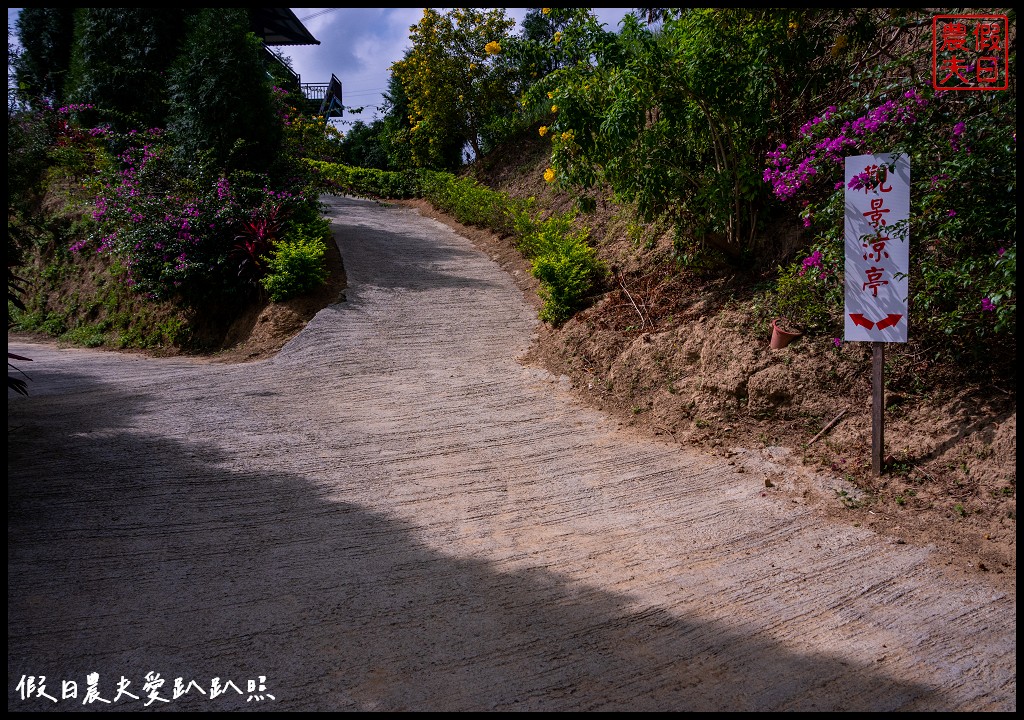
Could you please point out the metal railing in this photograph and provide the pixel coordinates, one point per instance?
(315, 91)
(329, 95)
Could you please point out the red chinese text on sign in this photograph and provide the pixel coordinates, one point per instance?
(877, 247)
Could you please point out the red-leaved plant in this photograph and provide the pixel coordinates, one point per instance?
(255, 239)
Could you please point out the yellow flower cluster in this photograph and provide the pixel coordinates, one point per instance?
(543, 130)
(567, 136)
(546, 11)
(549, 175)
(558, 37)
(493, 47)
(554, 108)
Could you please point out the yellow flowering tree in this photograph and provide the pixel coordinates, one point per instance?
(455, 82)
(537, 50)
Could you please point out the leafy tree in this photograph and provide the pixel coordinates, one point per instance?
(453, 83)
(120, 61)
(27, 145)
(198, 72)
(41, 68)
(678, 120)
(384, 143)
(363, 147)
(654, 15)
(219, 92)
(394, 129)
(538, 49)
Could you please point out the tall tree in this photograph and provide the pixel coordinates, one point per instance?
(220, 98)
(120, 61)
(680, 120)
(41, 68)
(453, 83)
(538, 49)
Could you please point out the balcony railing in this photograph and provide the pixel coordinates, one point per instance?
(329, 95)
(315, 91)
(325, 96)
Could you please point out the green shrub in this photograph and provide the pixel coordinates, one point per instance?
(85, 335)
(568, 270)
(27, 320)
(810, 292)
(296, 263)
(537, 237)
(170, 331)
(471, 203)
(54, 324)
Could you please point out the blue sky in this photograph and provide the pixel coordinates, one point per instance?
(359, 45)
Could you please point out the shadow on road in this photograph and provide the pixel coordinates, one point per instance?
(130, 553)
(391, 255)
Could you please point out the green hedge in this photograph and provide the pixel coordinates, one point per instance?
(366, 182)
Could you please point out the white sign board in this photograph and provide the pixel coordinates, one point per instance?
(877, 247)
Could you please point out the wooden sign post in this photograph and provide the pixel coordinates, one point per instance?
(877, 407)
(877, 254)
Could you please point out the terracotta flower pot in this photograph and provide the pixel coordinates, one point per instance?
(782, 337)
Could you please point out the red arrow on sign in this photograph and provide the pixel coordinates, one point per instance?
(859, 319)
(889, 321)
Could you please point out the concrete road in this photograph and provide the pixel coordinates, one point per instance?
(394, 514)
